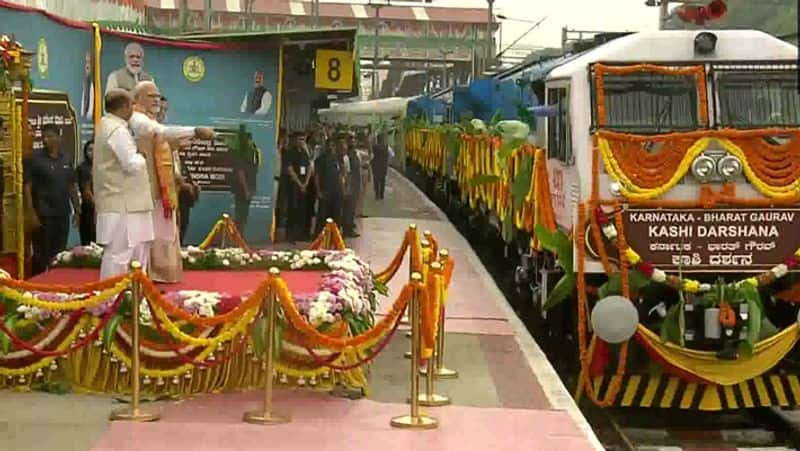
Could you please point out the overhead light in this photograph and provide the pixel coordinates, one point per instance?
(705, 43)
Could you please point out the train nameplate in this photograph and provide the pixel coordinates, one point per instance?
(715, 239)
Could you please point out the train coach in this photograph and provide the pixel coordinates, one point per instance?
(647, 228)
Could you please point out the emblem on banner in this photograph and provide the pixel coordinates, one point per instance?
(194, 69)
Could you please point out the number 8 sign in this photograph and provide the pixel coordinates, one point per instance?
(334, 70)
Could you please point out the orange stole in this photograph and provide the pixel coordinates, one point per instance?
(165, 169)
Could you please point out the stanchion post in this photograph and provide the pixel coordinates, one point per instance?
(415, 420)
(413, 229)
(134, 413)
(326, 234)
(425, 244)
(430, 398)
(225, 223)
(441, 371)
(266, 415)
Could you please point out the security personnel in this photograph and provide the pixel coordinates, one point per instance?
(53, 186)
(328, 180)
(299, 172)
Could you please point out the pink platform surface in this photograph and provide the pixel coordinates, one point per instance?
(321, 423)
(471, 307)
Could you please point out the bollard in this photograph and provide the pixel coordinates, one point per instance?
(226, 223)
(326, 235)
(412, 228)
(415, 420)
(266, 415)
(430, 398)
(425, 244)
(441, 371)
(134, 413)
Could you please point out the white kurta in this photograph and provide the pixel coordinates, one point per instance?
(164, 228)
(124, 236)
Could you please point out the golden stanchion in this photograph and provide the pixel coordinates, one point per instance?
(266, 415)
(226, 223)
(430, 398)
(415, 420)
(326, 234)
(425, 244)
(133, 413)
(412, 228)
(441, 371)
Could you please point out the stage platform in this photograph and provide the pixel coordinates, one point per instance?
(507, 395)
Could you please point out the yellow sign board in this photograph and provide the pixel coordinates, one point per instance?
(334, 70)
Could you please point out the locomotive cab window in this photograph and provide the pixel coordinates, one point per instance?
(758, 99)
(646, 103)
(558, 142)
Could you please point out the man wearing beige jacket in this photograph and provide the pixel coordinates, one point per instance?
(124, 210)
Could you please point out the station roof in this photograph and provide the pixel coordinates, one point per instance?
(339, 10)
(321, 35)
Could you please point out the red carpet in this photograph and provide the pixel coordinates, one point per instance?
(233, 282)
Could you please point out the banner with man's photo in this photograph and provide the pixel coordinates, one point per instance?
(232, 90)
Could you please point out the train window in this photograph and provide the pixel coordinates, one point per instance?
(650, 102)
(752, 99)
(558, 142)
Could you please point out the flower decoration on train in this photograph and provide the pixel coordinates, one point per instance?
(641, 173)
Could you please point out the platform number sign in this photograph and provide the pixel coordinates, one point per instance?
(334, 70)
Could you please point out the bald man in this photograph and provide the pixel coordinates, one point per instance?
(156, 142)
(127, 77)
(124, 209)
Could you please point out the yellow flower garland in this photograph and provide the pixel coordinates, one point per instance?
(227, 333)
(87, 303)
(630, 190)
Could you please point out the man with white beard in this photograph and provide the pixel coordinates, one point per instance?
(156, 142)
(129, 76)
(124, 210)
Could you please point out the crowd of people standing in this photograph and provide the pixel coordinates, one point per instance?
(325, 173)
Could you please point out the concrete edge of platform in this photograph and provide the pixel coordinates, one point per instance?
(555, 391)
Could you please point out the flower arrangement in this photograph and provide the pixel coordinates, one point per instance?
(196, 259)
(347, 292)
(14, 61)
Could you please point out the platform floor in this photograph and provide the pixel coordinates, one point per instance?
(507, 396)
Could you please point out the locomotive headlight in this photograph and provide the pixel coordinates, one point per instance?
(729, 167)
(703, 168)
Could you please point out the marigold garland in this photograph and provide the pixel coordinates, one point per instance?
(583, 318)
(23, 285)
(88, 303)
(773, 169)
(229, 330)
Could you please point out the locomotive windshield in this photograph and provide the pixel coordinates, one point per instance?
(650, 102)
(756, 99)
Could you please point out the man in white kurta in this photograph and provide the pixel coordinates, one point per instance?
(124, 209)
(165, 254)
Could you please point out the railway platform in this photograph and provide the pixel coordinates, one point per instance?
(506, 396)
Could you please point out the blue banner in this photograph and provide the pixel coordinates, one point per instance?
(229, 90)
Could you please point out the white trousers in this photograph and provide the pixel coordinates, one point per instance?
(125, 237)
(117, 257)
